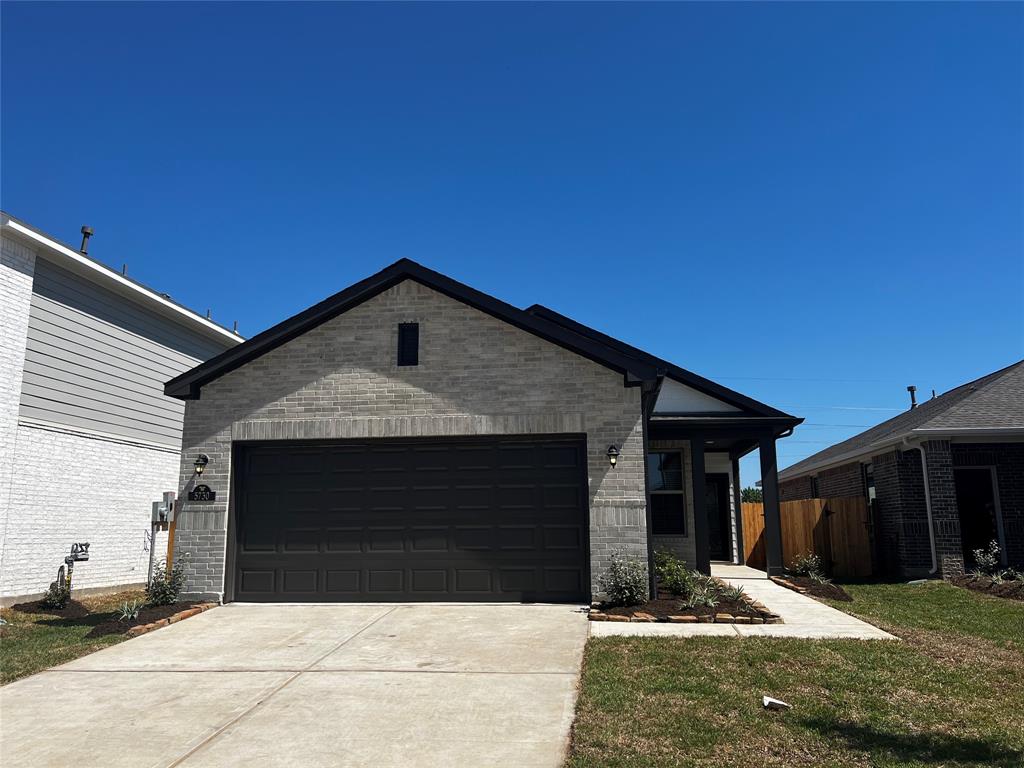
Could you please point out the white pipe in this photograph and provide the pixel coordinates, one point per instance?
(927, 507)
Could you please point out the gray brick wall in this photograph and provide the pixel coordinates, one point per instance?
(945, 516)
(477, 375)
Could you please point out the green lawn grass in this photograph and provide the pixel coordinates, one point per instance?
(950, 694)
(30, 642)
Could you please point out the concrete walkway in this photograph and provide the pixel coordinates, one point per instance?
(803, 616)
(311, 685)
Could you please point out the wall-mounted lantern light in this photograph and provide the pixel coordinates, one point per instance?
(613, 455)
(201, 461)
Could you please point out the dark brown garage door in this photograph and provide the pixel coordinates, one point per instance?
(404, 520)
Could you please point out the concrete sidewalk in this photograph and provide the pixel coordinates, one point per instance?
(803, 616)
(312, 685)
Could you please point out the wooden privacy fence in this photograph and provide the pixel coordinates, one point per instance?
(837, 530)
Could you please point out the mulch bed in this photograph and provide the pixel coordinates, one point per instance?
(105, 622)
(808, 586)
(669, 608)
(1011, 590)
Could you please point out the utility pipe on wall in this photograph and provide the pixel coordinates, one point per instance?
(927, 505)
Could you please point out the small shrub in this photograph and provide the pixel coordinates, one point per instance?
(625, 582)
(165, 586)
(56, 596)
(672, 574)
(733, 593)
(987, 561)
(706, 594)
(807, 565)
(130, 611)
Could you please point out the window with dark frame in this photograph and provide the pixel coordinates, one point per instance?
(408, 344)
(668, 500)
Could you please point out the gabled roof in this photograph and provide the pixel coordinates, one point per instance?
(634, 364)
(672, 371)
(991, 404)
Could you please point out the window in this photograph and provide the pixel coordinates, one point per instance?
(668, 502)
(408, 343)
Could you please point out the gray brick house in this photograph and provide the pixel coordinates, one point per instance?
(88, 440)
(943, 478)
(411, 438)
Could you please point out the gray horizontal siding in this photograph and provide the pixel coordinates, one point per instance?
(97, 361)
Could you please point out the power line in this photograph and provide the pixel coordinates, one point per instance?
(823, 424)
(841, 408)
(775, 378)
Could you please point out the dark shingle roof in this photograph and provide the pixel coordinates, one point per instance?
(995, 402)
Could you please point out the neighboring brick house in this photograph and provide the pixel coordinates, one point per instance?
(411, 438)
(88, 440)
(929, 517)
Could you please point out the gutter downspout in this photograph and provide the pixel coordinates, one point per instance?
(927, 505)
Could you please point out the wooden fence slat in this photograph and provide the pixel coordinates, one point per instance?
(835, 529)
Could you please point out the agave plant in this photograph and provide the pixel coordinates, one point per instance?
(130, 611)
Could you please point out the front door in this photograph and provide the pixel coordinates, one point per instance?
(976, 503)
(719, 530)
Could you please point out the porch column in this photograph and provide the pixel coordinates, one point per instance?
(737, 493)
(700, 504)
(772, 518)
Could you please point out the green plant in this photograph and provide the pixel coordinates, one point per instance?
(166, 584)
(130, 611)
(625, 582)
(808, 564)
(672, 574)
(732, 592)
(752, 495)
(988, 561)
(706, 594)
(56, 596)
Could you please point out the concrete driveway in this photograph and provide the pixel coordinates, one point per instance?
(311, 685)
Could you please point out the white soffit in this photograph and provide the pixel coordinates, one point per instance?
(679, 398)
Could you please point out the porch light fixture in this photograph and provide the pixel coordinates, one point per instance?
(201, 461)
(613, 454)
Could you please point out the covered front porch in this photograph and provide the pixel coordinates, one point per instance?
(694, 485)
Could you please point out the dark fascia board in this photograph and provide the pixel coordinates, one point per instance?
(187, 386)
(672, 371)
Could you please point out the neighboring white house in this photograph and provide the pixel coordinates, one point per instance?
(88, 440)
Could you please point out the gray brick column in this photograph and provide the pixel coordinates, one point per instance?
(945, 516)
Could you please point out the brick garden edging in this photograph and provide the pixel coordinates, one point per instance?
(195, 610)
(783, 582)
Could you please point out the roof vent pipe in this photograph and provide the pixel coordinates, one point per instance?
(86, 234)
(913, 396)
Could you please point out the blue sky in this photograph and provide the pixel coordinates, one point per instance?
(816, 204)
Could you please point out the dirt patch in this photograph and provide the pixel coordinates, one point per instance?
(147, 615)
(1011, 590)
(808, 586)
(102, 622)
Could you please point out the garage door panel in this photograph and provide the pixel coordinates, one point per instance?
(465, 519)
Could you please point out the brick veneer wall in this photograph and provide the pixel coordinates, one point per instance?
(844, 480)
(1008, 459)
(477, 375)
(82, 488)
(17, 264)
(796, 489)
(900, 513)
(945, 517)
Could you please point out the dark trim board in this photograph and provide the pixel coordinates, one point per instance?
(528, 520)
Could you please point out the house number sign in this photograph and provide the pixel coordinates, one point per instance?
(202, 493)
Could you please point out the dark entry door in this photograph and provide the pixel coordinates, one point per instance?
(410, 520)
(719, 530)
(976, 504)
